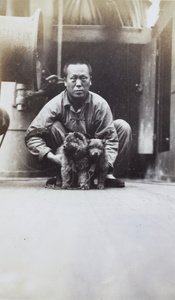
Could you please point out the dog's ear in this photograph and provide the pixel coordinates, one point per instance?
(104, 142)
(76, 134)
(79, 135)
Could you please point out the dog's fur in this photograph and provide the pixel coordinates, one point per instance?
(98, 160)
(4, 121)
(75, 161)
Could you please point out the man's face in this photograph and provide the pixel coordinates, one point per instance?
(78, 81)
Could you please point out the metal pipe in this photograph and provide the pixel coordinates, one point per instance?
(60, 37)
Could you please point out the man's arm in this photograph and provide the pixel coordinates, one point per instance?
(38, 147)
(38, 133)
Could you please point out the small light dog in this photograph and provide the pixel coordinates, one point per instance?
(98, 161)
(75, 161)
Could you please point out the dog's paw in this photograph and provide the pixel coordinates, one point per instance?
(84, 187)
(58, 182)
(65, 186)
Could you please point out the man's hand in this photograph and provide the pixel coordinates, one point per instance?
(54, 158)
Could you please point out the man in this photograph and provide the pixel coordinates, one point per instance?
(78, 109)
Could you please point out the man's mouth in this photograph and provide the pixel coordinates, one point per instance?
(79, 91)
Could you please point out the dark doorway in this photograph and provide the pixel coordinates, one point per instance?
(164, 88)
(116, 72)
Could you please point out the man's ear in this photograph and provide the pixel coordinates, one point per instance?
(65, 82)
(91, 81)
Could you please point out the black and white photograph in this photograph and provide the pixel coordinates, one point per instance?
(87, 149)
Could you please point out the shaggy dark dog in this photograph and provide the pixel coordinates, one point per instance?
(98, 161)
(4, 124)
(4, 121)
(75, 161)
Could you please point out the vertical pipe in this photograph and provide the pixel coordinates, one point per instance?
(17, 8)
(60, 34)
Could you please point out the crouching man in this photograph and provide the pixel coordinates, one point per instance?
(78, 109)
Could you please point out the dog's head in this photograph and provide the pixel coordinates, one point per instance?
(75, 144)
(96, 148)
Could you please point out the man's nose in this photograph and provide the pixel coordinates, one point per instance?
(78, 82)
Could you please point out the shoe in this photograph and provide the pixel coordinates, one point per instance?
(51, 181)
(51, 184)
(111, 181)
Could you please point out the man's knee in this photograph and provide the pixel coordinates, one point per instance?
(58, 132)
(122, 127)
(124, 133)
(58, 126)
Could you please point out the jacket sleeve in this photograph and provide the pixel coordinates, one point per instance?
(38, 132)
(37, 146)
(105, 129)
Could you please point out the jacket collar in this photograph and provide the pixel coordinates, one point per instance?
(66, 99)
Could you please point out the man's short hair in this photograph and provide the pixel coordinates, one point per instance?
(75, 61)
